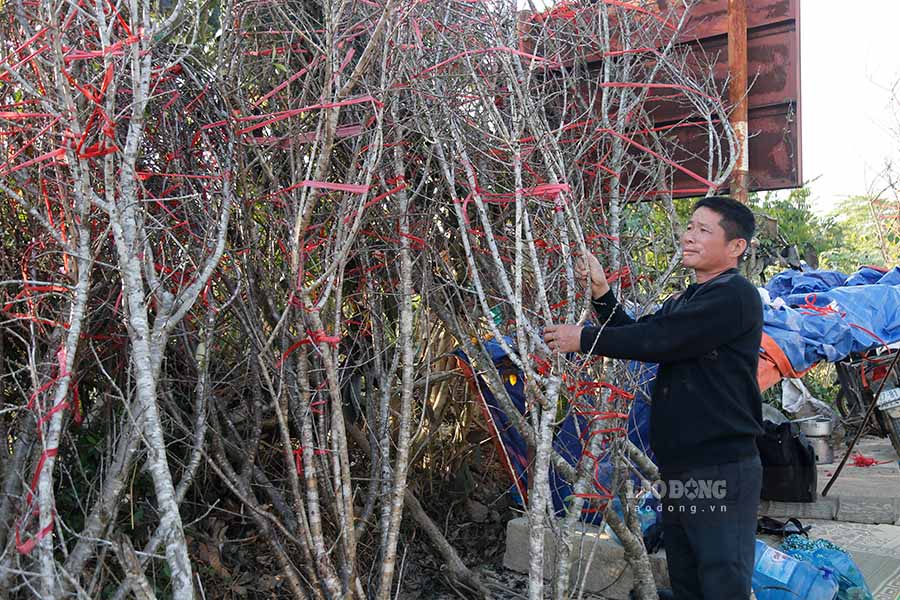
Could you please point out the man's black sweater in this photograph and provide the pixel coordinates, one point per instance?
(707, 407)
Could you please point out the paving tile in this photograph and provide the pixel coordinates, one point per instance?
(876, 569)
(888, 588)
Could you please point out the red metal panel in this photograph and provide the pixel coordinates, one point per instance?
(773, 56)
(774, 95)
(773, 68)
(774, 75)
(774, 151)
(774, 148)
(709, 18)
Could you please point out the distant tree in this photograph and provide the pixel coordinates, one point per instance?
(871, 221)
(812, 236)
(869, 233)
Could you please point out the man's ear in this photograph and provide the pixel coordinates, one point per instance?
(737, 247)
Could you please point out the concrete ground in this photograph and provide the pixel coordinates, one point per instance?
(861, 514)
(878, 481)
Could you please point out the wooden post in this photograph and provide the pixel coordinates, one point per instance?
(737, 95)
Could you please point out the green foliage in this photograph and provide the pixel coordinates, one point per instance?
(798, 226)
(822, 382)
(797, 223)
(870, 234)
(860, 231)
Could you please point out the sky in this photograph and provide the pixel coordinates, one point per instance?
(848, 63)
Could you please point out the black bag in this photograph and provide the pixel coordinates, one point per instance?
(793, 526)
(789, 464)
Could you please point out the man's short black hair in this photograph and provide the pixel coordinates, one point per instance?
(736, 219)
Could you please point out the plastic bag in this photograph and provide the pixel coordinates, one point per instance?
(825, 554)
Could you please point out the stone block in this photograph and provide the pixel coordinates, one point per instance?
(862, 509)
(596, 557)
(822, 508)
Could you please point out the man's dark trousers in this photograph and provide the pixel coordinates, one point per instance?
(709, 529)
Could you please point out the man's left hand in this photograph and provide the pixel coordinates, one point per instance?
(563, 338)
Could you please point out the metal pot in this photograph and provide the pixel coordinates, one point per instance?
(823, 450)
(818, 427)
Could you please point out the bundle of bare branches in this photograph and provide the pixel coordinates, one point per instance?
(242, 240)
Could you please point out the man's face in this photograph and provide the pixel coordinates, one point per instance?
(705, 245)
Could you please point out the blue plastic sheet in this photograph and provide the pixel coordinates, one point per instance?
(804, 282)
(864, 276)
(892, 277)
(567, 441)
(793, 281)
(862, 315)
(826, 555)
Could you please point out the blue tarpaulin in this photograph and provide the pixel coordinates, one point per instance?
(804, 282)
(855, 313)
(568, 438)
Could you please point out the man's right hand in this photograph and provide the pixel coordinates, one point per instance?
(588, 267)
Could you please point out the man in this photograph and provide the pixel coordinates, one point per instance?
(706, 402)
